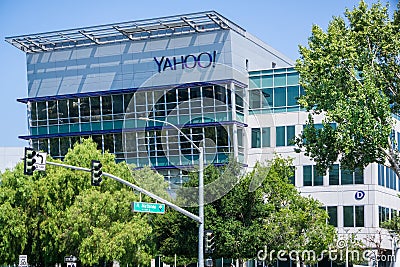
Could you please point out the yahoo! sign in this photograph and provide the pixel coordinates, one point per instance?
(202, 60)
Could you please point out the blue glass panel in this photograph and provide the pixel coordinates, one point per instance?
(279, 96)
(280, 80)
(85, 127)
(292, 95)
(307, 175)
(162, 161)
(267, 81)
(255, 101)
(210, 158)
(186, 161)
(174, 160)
(208, 117)
(318, 177)
(358, 176)
(96, 126)
(381, 173)
(42, 130)
(129, 123)
(34, 130)
(347, 176)
(255, 138)
(267, 98)
(292, 78)
(64, 128)
(140, 123)
(387, 177)
(143, 161)
(222, 158)
(334, 174)
(183, 119)
(290, 134)
(221, 116)
(118, 124)
(74, 128)
(255, 82)
(196, 120)
(266, 137)
(108, 125)
(280, 136)
(348, 216)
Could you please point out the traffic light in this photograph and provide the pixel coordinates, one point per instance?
(209, 241)
(29, 161)
(96, 173)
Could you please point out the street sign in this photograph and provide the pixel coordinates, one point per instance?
(23, 261)
(148, 207)
(40, 164)
(70, 259)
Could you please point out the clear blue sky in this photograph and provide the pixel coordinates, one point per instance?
(282, 24)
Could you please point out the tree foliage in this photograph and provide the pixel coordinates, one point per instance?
(57, 213)
(351, 76)
(244, 221)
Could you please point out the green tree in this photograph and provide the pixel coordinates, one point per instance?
(249, 218)
(57, 213)
(351, 76)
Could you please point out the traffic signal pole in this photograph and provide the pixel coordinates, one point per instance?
(201, 188)
(135, 187)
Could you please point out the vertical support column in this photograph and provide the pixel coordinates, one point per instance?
(234, 127)
(201, 207)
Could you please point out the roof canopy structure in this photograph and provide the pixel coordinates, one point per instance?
(133, 30)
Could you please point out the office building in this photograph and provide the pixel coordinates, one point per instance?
(203, 73)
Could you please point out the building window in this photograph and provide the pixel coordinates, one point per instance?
(350, 177)
(344, 176)
(260, 137)
(277, 91)
(387, 177)
(334, 174)
(332, 212)
(311, 176)
(285, 135)
(353, 216)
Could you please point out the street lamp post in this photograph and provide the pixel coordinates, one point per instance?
(201, 188)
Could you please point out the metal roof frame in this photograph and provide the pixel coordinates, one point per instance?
(125, 31)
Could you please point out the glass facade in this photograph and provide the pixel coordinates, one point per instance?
(274, 90)
(114, 122)
(387, 178)
(336, 176)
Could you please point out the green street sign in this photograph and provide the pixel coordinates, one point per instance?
(148, 207)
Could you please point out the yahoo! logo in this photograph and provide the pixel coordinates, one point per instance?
(202, 60)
